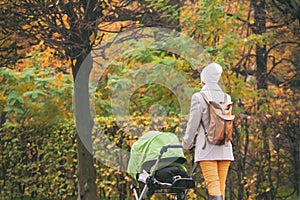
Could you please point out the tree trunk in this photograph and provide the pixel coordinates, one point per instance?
(87, 189)
(259, 28)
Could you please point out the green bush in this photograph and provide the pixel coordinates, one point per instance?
(38, 161)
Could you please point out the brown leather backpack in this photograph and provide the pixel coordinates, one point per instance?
(220, 122)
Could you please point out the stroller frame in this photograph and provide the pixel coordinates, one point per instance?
(178, 188)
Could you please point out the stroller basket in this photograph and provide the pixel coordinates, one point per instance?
(177, 186)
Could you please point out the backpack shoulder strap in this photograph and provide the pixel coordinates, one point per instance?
(204, 96)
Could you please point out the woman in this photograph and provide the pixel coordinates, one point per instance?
(214, 160)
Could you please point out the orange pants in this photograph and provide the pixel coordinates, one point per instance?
(215, 173)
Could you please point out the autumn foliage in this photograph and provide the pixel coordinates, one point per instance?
(43, 44)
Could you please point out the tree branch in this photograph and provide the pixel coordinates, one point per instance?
(281, 43)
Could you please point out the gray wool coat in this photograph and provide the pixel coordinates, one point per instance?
(198, 111)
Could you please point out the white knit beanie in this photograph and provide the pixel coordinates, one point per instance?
(211, 74)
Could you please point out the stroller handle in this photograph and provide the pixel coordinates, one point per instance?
(170, 146)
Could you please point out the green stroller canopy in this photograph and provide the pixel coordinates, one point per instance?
(146, 150)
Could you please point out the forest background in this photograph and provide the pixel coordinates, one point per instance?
(44, 43)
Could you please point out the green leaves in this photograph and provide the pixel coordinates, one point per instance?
(38, 163)
(35, 94)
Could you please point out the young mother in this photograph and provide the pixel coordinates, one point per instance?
(214, 160)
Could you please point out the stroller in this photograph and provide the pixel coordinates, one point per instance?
(156, 162)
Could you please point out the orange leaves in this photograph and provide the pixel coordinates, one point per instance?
(62, 21)
(65, 22)
(92, 38)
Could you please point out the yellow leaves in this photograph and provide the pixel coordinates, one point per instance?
(55, 35)
(283, 100)
(62, 21)
(65, 21)
(69, 63)
(268, 189)
(251, 22)
(279, 113)
(49, 60)
(26, 27)
(74, 62)
(59, 76)
(3, 97)
(103, 5)
(235, 3)
(92, 38)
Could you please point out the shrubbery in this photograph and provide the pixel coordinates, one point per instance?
(40, 162)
